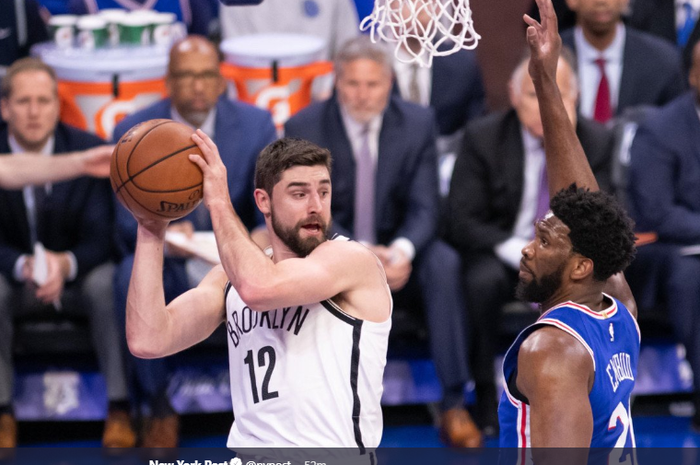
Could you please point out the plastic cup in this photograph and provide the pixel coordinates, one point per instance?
(92, 32)
(135, 30)
(62, 30)
(112, 16)
(163, 28)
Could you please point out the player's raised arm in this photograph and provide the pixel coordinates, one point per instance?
(566, 160)
(19, 171)
(153, 329)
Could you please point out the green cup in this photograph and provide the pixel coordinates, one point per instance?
(112, 16)
(92, 32)
(135, 30)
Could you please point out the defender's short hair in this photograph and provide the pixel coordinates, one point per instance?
(600, 228)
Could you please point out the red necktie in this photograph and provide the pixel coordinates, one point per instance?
(603, 110)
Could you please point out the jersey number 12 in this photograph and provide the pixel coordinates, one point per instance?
(270, 352)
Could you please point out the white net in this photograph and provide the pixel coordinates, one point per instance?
(422, 29)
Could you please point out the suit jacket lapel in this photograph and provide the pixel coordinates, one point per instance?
(693, 122)
(629, 70)
(388, 164)
(513, 161)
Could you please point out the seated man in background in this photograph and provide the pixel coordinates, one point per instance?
(455, 101)
(385, 194)
(619, 67)
(64, 229)
(241, 131)
(664, 197)
(499, 188)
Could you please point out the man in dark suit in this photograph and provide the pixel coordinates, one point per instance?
(55, 242)
(454, 101)
(241, 131)
(675, 21)
(619, 67)
(496, 194)
(385, 195)
(664, 197)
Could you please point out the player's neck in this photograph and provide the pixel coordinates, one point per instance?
(589, 295)
(279, 250)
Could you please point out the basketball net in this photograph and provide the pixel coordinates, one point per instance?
(422, 29)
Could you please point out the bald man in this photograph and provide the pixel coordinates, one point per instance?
(196, 98)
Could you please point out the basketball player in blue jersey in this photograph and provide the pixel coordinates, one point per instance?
(307, 324)
(568, 377)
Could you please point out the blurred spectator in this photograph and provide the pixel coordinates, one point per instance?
(498, 190)
(664, 197)
(21, 26)
(54, 243)
(195, 14)
(241, 131)
(619, 67)
(455, 101)
(674, 20)
(385, 195)
(335, 21)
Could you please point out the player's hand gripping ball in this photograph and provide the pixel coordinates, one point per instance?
(151, 173)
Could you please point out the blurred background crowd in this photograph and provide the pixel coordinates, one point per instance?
(440, 170)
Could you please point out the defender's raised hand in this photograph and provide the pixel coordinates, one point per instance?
(544, 41)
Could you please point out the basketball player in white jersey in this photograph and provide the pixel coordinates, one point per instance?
(307, 324)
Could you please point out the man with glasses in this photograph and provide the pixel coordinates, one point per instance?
(196, 98)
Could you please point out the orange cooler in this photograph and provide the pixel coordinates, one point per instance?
(278, 72)
(99, 88)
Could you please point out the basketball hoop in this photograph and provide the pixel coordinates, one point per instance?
(419, 28)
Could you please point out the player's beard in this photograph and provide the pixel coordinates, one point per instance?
(292, 239)
(542, 289)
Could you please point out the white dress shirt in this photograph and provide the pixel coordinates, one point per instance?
(404, 75)
(207, 126)
(509, 251)
(589, 73)
(355, 133)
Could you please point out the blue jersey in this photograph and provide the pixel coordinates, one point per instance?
(612, 338)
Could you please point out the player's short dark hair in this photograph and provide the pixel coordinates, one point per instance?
(600, 228)
(286, 153)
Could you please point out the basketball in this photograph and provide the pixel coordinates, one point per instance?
(151, 173)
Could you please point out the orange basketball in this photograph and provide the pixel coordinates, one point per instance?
(151, 173)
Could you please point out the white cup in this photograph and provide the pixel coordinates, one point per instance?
(62, 29)
(92, 32)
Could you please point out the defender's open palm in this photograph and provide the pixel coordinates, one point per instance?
(213, 169)
(544, 41)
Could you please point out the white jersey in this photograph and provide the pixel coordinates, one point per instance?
(304, 376)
